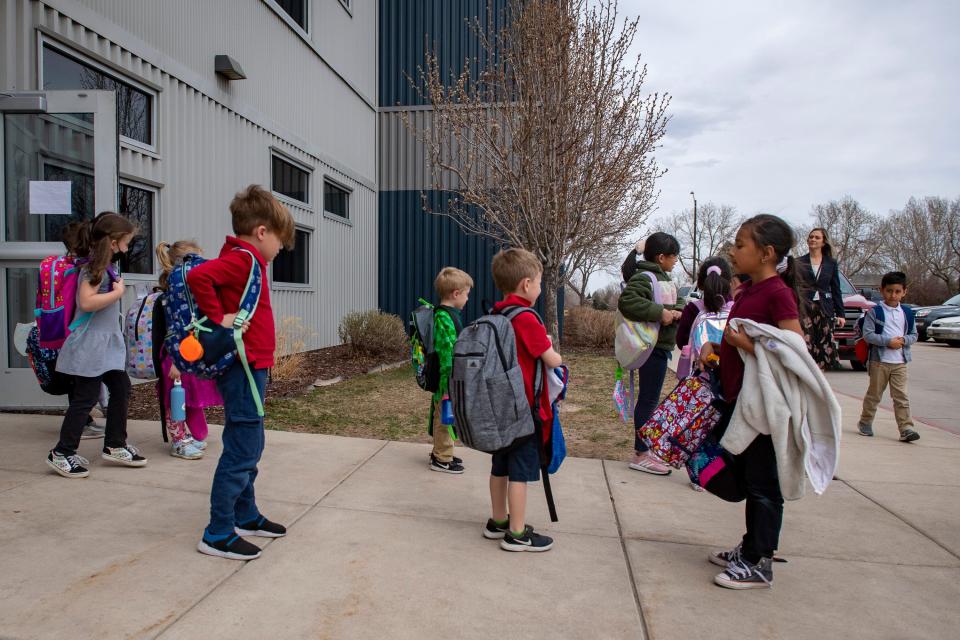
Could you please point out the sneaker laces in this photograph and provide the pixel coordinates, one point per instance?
(132, 449)
(740, 569)
(733, 555)
(76, 460)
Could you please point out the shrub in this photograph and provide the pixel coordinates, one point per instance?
(588, 327)
(373, 333)
(288, 355)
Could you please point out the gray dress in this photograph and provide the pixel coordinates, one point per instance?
(96, 346)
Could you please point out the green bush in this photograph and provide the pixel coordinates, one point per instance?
(373, 333)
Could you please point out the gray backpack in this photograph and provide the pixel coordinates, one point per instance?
(490, 407)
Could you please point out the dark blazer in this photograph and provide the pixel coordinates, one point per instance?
(827, 284)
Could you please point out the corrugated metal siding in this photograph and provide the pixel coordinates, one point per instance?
(206, 152)
(407, 27)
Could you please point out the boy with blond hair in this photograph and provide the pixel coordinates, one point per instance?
(453, 288)
(262, 226)
(518, 274)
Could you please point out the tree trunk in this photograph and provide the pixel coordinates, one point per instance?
(551, 280)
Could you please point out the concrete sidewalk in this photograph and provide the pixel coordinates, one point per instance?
(380, 547)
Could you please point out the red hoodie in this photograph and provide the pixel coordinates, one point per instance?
(532, 342)
(217, 286)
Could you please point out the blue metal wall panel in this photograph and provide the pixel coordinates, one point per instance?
(407, 27)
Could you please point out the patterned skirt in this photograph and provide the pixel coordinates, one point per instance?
(818, 333)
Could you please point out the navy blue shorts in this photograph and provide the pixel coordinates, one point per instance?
(520, 464)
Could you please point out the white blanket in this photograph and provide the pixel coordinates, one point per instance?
(786, 396)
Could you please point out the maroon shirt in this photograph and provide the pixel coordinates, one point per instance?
(770, 302)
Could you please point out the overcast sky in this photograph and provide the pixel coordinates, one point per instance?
(779, 105)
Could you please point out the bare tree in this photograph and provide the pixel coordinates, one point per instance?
(583, 265)
(716, 226)
(855, 234)
(924, 238)
(547, 137)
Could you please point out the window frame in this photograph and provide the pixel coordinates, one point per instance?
(155, 226)
(347, 6)
(307, 15)
(284, 157)
(279, 285)
(84, 59)
(333, 216)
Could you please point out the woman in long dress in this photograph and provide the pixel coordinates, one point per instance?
(821, 275)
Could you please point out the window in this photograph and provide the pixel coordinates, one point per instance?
(336, 200)
(136, 204)
(290, 180)
(134, 106)
(296, 9)
(294, 266)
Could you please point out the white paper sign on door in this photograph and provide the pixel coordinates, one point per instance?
(48, 197)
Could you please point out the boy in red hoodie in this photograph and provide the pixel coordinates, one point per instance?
(517, 274)
(262, 226)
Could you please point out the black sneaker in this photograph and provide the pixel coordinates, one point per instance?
(445, 467)
(455, 458)
(530, 541)
(741, 574)
(909, 435)
(261, 527)
(68, 466)
(234, 548)
(493, 531)
(723, 558)
(865, 430)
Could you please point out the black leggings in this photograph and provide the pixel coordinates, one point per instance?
(86, 393)
(755, 479)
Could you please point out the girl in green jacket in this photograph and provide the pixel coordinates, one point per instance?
(658, 255)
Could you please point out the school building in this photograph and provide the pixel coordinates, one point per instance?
(163, 110)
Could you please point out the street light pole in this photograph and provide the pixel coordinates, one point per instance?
(694, 236)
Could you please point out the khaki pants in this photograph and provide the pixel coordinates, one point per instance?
(882, 374)
(442, 442)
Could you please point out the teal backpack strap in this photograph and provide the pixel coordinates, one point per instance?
(244, 315)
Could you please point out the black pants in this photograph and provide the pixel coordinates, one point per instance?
(755, 479)
(86, 393)
(650, 378)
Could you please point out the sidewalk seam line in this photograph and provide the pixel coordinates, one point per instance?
(269, 542)
(902, 519)
(644, 631)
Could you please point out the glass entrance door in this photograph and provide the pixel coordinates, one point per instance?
(58, 164)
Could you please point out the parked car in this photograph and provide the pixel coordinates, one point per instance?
(946, 330)
(927, 315)
(854, 306)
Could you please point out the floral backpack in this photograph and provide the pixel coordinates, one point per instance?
(56, 300)
(679, 426)
(138, 330)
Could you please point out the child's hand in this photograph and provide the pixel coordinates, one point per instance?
(667, 317)
(737, 339)
(706, 351)
(896, 343)
(174, 372)
(119, 287)
(228, 320)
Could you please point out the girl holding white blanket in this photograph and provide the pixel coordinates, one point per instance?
(770, 297)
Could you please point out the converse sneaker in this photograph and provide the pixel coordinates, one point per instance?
(234, 548)
(185, 449)
(723, 558)
(529, 541)
(261, 527)
(909, 435)
(493, 531)
(92, 431)
(741, 574)
(128, 456)
(865, 430)
(445, 467)
(648, 463)
(68, 466)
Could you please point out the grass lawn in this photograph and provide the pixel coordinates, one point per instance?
(391, 406)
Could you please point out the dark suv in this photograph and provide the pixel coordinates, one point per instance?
(854, 306)
(926, 315)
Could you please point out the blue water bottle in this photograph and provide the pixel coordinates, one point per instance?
(446, 411)
(178, 402)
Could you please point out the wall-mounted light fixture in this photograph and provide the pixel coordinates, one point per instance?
(228, 68)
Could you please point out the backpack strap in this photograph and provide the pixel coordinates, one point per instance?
(254, 281)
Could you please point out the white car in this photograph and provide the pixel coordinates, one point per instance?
(946, 330)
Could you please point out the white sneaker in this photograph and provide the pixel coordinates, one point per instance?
(186, 449)
(199, 444)
(128, 456)
(648, 463)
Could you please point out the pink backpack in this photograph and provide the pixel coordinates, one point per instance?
(56, 299)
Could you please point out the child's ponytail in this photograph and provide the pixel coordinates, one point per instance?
(169, 255)
(713, 280)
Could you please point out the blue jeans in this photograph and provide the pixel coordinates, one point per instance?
(232, 499)
(649, 384)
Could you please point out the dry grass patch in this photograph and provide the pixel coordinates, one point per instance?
(391, 406)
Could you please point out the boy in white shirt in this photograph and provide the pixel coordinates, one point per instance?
(890, 329)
